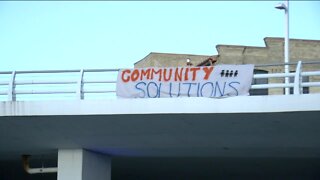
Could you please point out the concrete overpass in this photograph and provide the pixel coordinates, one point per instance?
(243, 137)
(217, 137)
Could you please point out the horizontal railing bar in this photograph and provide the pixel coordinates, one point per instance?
(310, 73)
(3, 83)
(47, 71)
(101, 70)
(26, 82)
(59, 92)
(309, 62)
(97, 91)
(310, 84)
(60, 71)
(290, 63)
(275, 85)
(97, 81)
(5, 72)
(43, 92)
(274, 75)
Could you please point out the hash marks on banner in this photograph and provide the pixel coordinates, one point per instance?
(229, 73)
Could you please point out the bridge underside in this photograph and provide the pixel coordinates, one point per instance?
(174, 146)
(248, 137)
(191, 168)
(286, 134)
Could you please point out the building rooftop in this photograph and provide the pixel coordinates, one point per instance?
(169, 59)
(272, 52)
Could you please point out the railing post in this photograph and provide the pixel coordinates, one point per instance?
(297, 79)
(80, 85)
(11, 95)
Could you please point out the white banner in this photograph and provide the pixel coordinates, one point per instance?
(171, 82)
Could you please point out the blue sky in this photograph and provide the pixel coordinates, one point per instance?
(109, 34)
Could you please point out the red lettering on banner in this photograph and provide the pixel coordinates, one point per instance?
(194, 72)
(208, 71)
(128, 77)
(186, 74)
(145, 73)
(135, 75)
(178, 75)
(165, 76)
(154, 72)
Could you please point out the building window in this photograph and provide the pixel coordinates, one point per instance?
(255, 92)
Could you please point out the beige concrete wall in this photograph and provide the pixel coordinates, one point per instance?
(272, 53)
(307, 50)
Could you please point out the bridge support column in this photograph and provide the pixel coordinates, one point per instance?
(80, 164)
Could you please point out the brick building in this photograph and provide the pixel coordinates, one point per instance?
(268, 59)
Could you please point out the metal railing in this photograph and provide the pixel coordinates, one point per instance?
(298, 75)
(78, 84)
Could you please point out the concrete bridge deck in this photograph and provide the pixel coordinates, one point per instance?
(198, 130)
